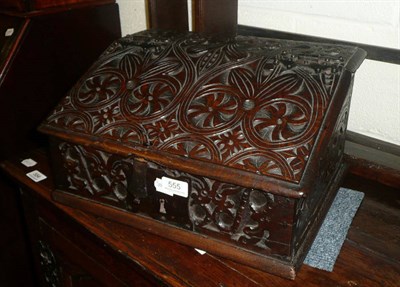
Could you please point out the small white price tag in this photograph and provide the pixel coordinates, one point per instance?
(9, 32)
(36, 176)
(28, 162)
(202, 252)
(171, 186)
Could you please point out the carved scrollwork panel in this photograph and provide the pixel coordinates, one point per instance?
(253, 219)
(96, 174)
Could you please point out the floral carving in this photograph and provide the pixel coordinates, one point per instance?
(280, 121)
(149, 98)
(212, 109)
(219, 98)
(297, 157)
(231, 142)
(105, 116)
(98, 89)
(162, 130)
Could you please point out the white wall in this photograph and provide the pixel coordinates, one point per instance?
(375, 109)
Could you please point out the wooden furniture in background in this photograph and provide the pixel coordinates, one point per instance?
(43, 52)
(168, 15)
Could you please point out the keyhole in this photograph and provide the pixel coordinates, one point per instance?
(162, 206)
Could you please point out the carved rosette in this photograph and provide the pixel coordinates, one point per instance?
(249, 103)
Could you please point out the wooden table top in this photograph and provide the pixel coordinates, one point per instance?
(369, 257)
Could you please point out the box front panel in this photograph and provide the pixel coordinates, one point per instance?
(248, 218)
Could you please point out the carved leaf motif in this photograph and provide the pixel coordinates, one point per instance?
(130, 63)
(72, 120)
(233, 52)
(210, 60)
(266, 70)
(297, 157)
(261, 165)
(162, 67)
(192, 149)
(243, 79)
(124, 133)
(277, 85)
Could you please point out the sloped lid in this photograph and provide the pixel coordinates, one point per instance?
(247, 103)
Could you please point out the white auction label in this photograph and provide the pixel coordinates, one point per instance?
(202, 252)
(171, 186)
(9, 32)
(36, 176)
(29, 162)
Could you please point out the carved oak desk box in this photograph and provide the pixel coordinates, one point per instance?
(233, 146)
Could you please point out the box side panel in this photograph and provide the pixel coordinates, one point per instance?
(243, 217)
(311, 210)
